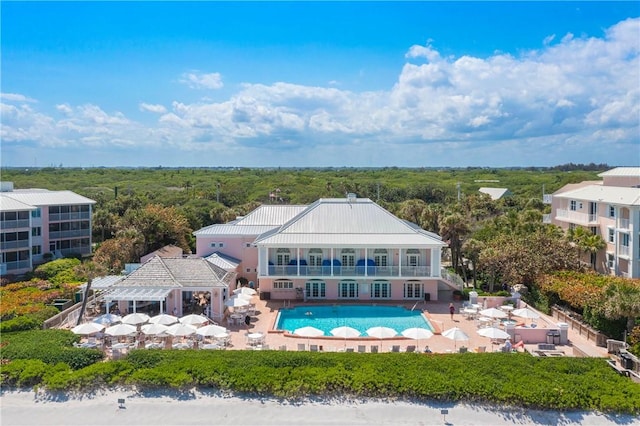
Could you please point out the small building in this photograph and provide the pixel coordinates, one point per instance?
(496, 193)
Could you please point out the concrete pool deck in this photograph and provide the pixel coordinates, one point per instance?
(436, 312)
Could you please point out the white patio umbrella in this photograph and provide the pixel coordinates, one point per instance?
(245, 290)
(381, 333)
(87, 328)
(417, 333)
(154, 329)
(493, 333)
(210, 330)
(345, 332)
(455, 334)
(120, 330)
(136, 318)
(493, 313)
(181, 330)
(108, 319)
(164, 319)
(194, 320)
(236, 302)
(308, 332)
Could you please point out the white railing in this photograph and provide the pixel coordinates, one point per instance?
(623, 251)
(342, 271)
(572, 216)
(623, 224)
(547, 198)
(546, 218)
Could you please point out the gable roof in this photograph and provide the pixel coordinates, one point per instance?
(179, 272)
(604, 194)
(495, 193)
(44, 197)
(8, 204)
(223, 261)
(339, 221)
(259, 221)
(167, 251)
(622, 172)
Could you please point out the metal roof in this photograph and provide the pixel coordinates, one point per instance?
(223, 261)
(8, 204)
(233, 229)
(604, 194)
(339, 221)
(622, 171)
(43, 197)
(104, 282)
(259, 221)
(495, 193)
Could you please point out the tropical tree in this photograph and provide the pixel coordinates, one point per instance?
(471, 249)
(88, 270)
(622, 300)
(453, 229)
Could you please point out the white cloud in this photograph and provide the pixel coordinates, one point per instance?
(159, 109)
(15, 97)
(197, 80)
(577, 99)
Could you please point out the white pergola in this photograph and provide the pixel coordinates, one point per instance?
(138, 294)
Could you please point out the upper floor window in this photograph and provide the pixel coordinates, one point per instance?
(283, 255)
(36, 213)
(573, 205)
(36, 231)
(315, 257)
(612, 212)
(348, 258)
(380, 257)
(611, 235)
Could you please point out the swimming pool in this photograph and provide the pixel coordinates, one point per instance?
(360, 317)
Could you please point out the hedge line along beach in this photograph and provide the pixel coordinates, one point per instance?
(128, 407)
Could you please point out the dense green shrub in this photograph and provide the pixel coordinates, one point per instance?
(612, 328)
(49, 270)
(49, 346)
(21, 323)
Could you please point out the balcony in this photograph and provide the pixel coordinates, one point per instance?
(14, 224)
(623, 251)
(8, 245)
(56, 217)
(547, 198)
(8, 267)
(57, 235)
(576, 217)
(352, 272)
(623, 223)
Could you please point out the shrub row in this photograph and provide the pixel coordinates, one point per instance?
(515, 379)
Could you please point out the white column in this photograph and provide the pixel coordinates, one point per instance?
(435, 262)
(399, 262)
(298, 260)
(331, 261)
(366, 263)
(263, 261)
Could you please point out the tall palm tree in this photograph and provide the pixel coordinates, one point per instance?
(453, 228)
(622, 301)
(90, 270)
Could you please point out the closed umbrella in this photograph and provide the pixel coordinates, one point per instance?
(194, 320)
(455, 334)
(120, 330)
(136, 318)
(417, 333)
(87, 328)
(381, 333)
(108, 319)
(164, 319)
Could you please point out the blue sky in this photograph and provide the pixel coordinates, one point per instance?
(303, 84)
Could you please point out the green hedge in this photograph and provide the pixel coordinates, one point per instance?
(512, 379)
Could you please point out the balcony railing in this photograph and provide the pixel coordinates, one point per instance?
(7, 267)
(547, 198)
(7, 245)
(14, 224)
(55, 217)
(576, 217)
(358, 271)
(69, 234)
(623, 251)
(623, 223)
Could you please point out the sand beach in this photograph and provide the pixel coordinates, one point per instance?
(202, 408)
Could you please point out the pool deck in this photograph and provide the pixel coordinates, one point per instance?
(436, 312)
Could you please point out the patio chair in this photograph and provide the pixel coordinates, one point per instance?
(395, 348)
(362, 348)
(302, 347)
(374, 349)
(411, 348)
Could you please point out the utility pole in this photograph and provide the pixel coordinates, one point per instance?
(458, 188)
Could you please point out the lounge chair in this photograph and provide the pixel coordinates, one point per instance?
(362, 348)
(374, 349)
(411, 348)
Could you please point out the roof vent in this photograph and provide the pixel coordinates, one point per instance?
(351, 197)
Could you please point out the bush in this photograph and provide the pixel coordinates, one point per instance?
(49, 270)
(20, 323)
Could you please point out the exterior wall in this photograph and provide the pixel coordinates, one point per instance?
(624, 181)
(15, 245)
(67, 241)
(332, 292)
(239, 247)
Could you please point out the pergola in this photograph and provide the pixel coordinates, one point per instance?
(138, 294)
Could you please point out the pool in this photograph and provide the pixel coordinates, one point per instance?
(360, 317)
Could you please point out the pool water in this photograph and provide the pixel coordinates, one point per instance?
(360, 317)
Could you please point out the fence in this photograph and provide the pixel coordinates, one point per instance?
(581, 328)
(69, 317)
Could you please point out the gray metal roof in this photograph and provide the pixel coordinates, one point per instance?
(338, 221)
(43, 197)
(223, 261)
(8, 204)
(104, 282)
(622, 171)
(604, 194)
(139, 294)
(259, 221)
